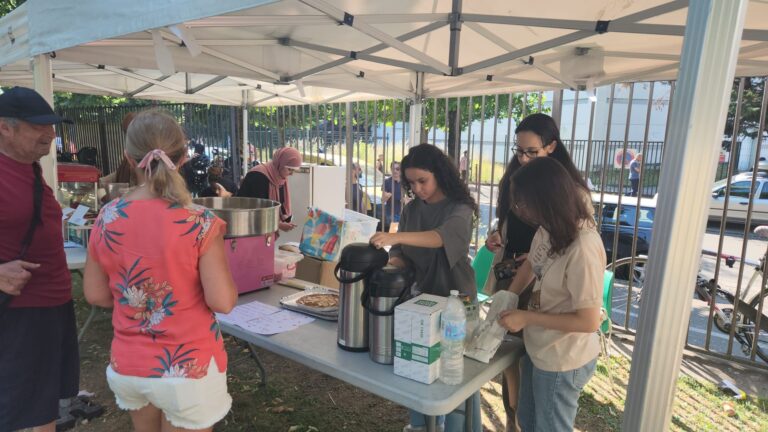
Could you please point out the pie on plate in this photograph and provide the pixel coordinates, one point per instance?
(319, 301)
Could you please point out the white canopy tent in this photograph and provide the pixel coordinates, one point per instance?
(365, 49)
(190, 87)
(438, 48)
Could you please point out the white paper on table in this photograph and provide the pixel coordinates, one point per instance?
(65, 212)
(261, 318)
(78, 217)
(245, 312)
(277, 323)
(71, 245)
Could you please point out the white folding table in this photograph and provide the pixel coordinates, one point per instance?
(76, 257)
(314, 345)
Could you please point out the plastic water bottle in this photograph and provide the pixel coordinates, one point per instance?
(453, 326)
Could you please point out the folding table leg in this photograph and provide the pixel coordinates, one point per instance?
(468, 408)
(262, 371)
(431, 423)
(87, 323)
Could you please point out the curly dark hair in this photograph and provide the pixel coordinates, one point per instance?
(548, 192)
(432, 159)
(545, 127)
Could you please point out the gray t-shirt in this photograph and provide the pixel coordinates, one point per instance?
(439, 270)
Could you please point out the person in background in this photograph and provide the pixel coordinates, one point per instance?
(463, 164)
(195, 170)
(218, 184)
(269, 181)
(634, 173)
(566, 263)
(167, 364)
(434, 234)
(380, 164)
(536, 136)
(392, 195)
(361, 203)
(39, 359)
(124, 172)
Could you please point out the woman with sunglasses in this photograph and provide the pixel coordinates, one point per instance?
(537, 136)
(566, 263)
(270, 181)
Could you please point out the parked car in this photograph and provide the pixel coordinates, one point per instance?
(610, 215)
(738, 201)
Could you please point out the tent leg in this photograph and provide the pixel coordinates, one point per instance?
(702, 95)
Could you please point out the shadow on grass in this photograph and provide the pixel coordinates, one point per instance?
(596, 416)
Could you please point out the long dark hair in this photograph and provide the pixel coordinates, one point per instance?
(550, 194)
(432, 159)
(545, 127)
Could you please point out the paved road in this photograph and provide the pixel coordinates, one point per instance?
(697, 333)
(728, 278)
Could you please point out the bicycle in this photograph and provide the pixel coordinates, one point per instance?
(629, 272)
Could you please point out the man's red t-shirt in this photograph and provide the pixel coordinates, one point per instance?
(50, 284)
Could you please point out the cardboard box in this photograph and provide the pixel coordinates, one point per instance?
(317, 271)
(417, 338)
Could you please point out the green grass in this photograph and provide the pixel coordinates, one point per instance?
(298, 399)
(698, 405)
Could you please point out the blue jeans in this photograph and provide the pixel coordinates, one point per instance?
(454, 422)
(549, 400)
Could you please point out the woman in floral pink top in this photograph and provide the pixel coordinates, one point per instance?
(160, 262)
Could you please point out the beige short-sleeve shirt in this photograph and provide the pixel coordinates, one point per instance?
(565, 283)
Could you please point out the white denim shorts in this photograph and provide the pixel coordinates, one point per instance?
(187, 403)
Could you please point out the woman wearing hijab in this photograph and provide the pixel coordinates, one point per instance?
(269, 181)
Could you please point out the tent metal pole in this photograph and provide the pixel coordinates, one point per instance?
(87, 84)
(572, 37)
(410, 35)
(360, 56)
(43, 84)
(367, 29)
(246, 145)
(350, 150)
(415, 121)
(502, 43)
(146, 86)
(557, 106)
(708, 61)
(455, 41)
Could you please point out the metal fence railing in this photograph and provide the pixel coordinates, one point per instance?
(376, 133)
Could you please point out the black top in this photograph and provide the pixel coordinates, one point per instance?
(519, 235)
(225, 182)
(256, 185)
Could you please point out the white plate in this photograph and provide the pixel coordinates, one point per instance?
(289, 302)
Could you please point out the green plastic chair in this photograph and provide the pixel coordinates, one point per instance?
(605, 327)
(481, 264)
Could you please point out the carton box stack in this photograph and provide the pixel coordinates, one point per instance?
(417, 338)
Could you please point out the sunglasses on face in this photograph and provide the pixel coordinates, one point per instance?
(531, 153)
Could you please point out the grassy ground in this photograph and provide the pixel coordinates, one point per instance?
(298, 399)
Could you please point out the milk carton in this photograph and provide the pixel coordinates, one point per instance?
(417, 338)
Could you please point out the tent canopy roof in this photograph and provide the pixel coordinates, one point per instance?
(311, 51)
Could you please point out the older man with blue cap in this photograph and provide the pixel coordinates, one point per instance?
(39, 360)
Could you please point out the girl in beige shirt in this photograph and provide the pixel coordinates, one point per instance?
(566, 261)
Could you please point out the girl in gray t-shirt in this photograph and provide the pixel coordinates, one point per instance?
(435, 229)
(433, 237)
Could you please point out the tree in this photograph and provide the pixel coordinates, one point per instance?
(7, 6)
(750, 107)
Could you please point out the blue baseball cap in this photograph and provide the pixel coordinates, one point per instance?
(26, 104)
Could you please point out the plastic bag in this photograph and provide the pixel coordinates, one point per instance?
(321, 236)
(487, 337)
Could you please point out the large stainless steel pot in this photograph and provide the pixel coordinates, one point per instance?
(245, 217)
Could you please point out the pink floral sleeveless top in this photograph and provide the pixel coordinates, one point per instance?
(150, 251)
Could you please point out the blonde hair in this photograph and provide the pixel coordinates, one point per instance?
(152, 130)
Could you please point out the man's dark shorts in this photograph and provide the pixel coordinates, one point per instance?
(39, 364)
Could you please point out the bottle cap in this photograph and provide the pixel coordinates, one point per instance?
(455, 293)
